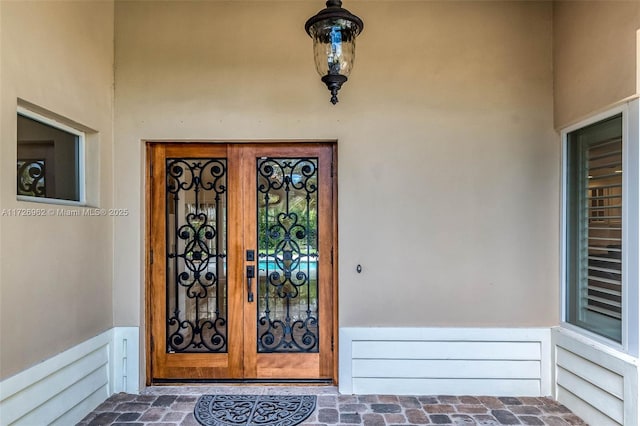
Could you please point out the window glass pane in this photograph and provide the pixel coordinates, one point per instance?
(594, 226)
(48, 161)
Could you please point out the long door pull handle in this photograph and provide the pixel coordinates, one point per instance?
(251, 273)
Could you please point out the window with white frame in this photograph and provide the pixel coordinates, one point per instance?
(594, 227)
(49, 160)
(600, 209)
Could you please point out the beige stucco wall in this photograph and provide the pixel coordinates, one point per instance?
(1, 162)
(448, 161)
(55, 272)
(595, 56)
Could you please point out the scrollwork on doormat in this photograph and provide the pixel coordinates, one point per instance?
(254, 410)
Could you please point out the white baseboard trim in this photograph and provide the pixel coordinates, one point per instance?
(125, 356)
(593, 380)
(459, 361)
(65, 388)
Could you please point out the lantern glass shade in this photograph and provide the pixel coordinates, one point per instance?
(334, 45)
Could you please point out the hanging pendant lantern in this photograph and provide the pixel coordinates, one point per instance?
(334, 31)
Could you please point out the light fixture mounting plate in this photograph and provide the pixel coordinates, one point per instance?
(334, 10)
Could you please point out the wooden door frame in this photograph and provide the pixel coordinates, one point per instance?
(148, 241)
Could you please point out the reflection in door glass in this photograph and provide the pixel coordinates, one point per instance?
(196, 255)
(287, 191)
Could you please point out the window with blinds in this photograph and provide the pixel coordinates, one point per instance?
(594, 226)
(603, 227)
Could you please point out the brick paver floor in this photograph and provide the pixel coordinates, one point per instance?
(173, 406)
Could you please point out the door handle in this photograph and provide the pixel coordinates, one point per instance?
(251, 273)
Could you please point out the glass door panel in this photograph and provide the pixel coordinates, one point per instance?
(196, 255)
(287, 200)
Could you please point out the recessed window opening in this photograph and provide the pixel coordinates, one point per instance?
(50, 160)
(595, 228)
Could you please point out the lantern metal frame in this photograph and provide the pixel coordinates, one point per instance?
(334, 11)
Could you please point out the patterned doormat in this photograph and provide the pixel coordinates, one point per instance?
(253, 410)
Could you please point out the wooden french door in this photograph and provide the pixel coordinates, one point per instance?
(240, 254)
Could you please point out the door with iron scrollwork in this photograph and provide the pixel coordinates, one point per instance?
(240, 257)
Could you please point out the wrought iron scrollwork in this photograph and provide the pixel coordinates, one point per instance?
(31, 178)
(288, 253)
(196, 255)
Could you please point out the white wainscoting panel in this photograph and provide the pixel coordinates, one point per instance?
(459, 361)
(595, 381)
(65, 388)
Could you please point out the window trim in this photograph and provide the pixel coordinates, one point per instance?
(630, 227)
(81, 160)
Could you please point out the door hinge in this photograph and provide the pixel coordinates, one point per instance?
(332, 255)
(151, 169)
(331, 343)
(151, 257)
(153, 346)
